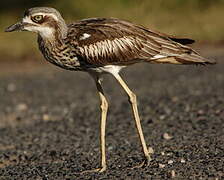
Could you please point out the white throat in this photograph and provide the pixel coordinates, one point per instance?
(43, 31)
(46, 32)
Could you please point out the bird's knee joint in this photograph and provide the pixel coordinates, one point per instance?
(133, 98)
(104, 105)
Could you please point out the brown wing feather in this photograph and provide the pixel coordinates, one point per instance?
(113, 41)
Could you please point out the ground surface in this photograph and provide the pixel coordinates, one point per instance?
(49, 122)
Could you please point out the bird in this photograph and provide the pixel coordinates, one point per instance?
(102, 46)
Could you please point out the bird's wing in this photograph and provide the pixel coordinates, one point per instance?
(102, 41)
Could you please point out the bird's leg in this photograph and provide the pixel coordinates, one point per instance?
(104, 108)
(133, 102)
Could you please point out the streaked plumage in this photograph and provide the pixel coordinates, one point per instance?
(117, 42)
(105, 45)
(114, 41)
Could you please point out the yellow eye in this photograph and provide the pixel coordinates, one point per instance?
(37, 18)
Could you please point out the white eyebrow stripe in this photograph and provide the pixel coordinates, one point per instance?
(46, 14)
(27, 19)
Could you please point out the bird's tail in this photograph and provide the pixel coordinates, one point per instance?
(175, 50)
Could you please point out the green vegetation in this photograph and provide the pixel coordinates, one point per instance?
(197, 19)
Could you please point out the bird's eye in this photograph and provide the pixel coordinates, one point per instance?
(37, 18)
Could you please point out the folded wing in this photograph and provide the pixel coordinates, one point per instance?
(101, 41)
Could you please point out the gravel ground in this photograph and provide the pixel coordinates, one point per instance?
(49, 123)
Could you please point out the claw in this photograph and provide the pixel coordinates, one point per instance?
(144, 164)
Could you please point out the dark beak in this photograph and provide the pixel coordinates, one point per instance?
(15, 27)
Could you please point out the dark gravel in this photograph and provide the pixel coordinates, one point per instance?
(49, 123)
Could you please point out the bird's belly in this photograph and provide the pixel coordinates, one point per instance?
(111, 69)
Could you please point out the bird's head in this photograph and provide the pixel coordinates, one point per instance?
(45, 21)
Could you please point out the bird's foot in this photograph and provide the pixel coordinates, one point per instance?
(145, 163)
(97, 170)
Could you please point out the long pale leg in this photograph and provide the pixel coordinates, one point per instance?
(133, 102)
(104, 108)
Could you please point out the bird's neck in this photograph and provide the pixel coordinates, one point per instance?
(54, 34)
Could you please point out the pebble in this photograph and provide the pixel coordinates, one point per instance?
(173, 174)
(46, 117)
(182, 160)
(151, 151)
(175, 99)
(162, 117)
(170, 162)
(110, 148)
(200, 112)
(187, 108)
(21, 107)
(11, 87)
(167, 136)
(161, 165)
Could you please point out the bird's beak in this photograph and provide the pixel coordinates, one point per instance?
(15, 27)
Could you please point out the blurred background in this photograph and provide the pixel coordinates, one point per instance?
(49, 117)
(201, 20)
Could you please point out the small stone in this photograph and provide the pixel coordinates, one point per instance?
(161, 165)
(182, 160)
(65, 111)
(167, 110)
(151, 151)
(170, 162)
(70, 119)
(187, 108)
(21, 107)
(162, 117)
(173, 174)
(175, 99)
(169, 154)
(167, 136)
(11, 87)
(218, 111)
(46, 117)
(162, 153)
(110, 148)
(36, 140)
(201, 112)
(25, 152)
